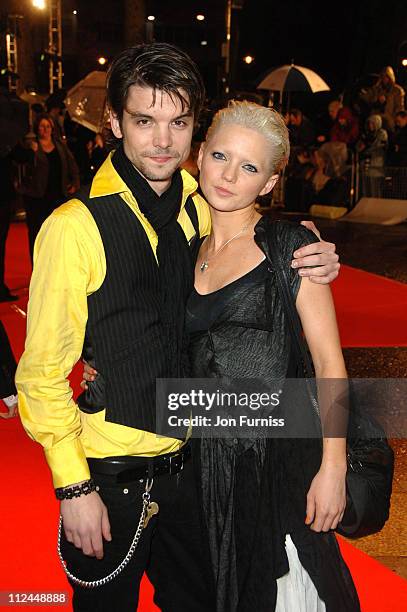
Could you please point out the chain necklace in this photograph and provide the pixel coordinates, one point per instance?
(205, 264)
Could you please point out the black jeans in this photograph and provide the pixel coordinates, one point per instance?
(172, 549)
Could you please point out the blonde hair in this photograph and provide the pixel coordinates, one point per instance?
(268, 122)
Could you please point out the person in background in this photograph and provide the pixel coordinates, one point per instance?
(385, 98)
(7, 196)
(8, 366)
(51, 176)
(326, 120)
(56, 109)
(373, 142)
(345, 128)
(398, 143)
(95, 153)
(328, 186)
(372, 148)
(302, 133)
(99, 153)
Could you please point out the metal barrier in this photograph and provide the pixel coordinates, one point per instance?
(360, 179)
(388, 182)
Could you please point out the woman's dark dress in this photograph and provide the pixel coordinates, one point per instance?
(254, 491)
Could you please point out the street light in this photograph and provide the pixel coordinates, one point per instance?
(102, 60)
(404, 61)
(248, 59)
(151, 18)
(39, 4)
(200, 17)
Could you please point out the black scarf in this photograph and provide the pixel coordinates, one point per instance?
(173, 254)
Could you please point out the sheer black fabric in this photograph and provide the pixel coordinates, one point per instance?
(254, 491)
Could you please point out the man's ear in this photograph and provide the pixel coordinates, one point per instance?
(115, 125)
(270, 184)
(200, 155)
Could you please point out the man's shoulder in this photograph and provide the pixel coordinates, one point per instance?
(73, 209)
(73, 217)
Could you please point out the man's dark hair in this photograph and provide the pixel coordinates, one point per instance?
(402, 114)
(162, 67)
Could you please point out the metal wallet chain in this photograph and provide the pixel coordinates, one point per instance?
(92, 584)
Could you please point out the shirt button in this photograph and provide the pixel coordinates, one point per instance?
(97, 488)
(125, 491)
(235, 440)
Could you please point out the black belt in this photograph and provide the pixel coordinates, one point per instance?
(126, 469)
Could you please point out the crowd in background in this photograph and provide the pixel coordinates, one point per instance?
(372, 133)
(58, 156)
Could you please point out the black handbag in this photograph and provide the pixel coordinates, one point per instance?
(370, 459)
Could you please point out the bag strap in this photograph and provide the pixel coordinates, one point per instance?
(288, 304)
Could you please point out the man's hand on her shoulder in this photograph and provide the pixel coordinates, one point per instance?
(86, 523)
(318, 261)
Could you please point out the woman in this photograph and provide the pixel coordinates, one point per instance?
(234, 333)
(269, 505)
(51, 175)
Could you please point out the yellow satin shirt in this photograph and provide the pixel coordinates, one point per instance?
(70, 265)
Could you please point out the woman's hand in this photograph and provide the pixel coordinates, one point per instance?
(326, 498)
(89, 375)
(12, 411)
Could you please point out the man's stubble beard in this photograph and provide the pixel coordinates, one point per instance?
(152, 176)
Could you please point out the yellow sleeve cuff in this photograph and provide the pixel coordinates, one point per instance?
(67, 463)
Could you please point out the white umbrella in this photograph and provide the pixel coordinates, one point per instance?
(86, 101)
(290, 78)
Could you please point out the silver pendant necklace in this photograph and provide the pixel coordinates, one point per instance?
(205, 264)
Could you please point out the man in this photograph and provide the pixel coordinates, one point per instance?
(56, 108)
(385, 98)
(96, 276)
(302, 133)
(398, 148)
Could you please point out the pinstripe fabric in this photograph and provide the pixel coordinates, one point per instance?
(123, 319)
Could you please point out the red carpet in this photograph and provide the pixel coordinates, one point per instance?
(371, 309)
(29, 514)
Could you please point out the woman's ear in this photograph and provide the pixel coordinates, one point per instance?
(115, 125)
(270, 184)
(200, 155)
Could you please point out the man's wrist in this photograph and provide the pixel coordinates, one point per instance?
(77, 490)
